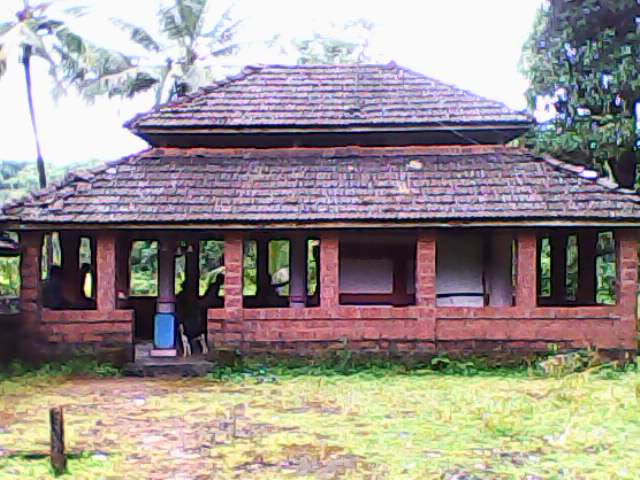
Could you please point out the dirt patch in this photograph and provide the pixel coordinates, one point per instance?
(322, 462)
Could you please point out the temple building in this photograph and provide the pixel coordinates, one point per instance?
(300, 210)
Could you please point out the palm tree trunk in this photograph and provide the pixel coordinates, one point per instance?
(26, 63)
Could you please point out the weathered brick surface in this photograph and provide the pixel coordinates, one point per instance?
(426, 269)
(28, 335)
(329, 273)
(526, 285)
(106, 271)
(521, 328)
(49, 334)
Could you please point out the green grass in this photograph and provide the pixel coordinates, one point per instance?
(338, 422)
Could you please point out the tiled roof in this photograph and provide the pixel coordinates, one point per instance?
(467, 183)
(328, 96)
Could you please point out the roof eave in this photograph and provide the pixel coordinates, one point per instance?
(534, 222)
(522, 126)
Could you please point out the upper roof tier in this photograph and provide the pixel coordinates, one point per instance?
(317, 99)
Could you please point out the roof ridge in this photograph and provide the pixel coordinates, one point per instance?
(86, 175)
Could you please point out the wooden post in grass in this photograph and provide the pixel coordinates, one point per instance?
(58, 457)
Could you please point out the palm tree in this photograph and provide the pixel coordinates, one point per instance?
(35, 34)
(178, 60)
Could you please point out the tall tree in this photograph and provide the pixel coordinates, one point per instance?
(583, 60)
(176, 61)
(35, 34)
(330, 43)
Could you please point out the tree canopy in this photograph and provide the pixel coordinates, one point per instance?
(36, 33)
(177, 60)
(343, 43)
(583, 58)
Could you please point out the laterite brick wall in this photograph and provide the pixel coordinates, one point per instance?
(423, 328)
(46, 334)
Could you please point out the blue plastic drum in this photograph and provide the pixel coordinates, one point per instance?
(164, 330)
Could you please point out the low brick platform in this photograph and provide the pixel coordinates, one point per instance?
(148, 366)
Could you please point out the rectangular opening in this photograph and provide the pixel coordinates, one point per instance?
(606, 269)
(279, 268)
(266, 274)
(313, 272)
(250, 268)
(10, 279)
(576, 268)
(211, 269)
(475, 268)
(67, 270)
(143, 268)
(87, 270)
(377, 272)
(51, 253)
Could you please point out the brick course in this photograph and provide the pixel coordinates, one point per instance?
(48, 334)
(424, 329)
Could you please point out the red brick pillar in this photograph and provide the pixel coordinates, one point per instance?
(627, 285)
(329, 270)
(232, 334)
(426, 269)
(30, 294)
(106, 271)
(526, 283)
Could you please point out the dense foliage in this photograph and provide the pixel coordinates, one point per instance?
(38, 33)
(177, 61)
(605, 268)
(19, 178)
(583, 60)
(346, 43)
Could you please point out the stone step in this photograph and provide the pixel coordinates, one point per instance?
(168, 367)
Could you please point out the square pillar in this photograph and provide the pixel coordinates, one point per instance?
(233, 266)
(329, 271)
(106, 271)
(527, 268)
(30, 290)
(426, 269)
(627, 263)
(166, 275)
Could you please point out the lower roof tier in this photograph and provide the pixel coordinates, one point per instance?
(471, 184)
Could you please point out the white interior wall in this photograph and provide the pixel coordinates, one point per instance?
(459, 267)
(358, 275)
(498, 276)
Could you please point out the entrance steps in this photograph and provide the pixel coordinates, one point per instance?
(144, 365)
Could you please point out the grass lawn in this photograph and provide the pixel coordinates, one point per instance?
(373, 424)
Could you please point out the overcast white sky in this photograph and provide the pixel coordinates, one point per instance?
(475, 44)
